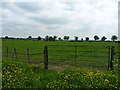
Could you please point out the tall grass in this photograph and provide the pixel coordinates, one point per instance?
(21, 75)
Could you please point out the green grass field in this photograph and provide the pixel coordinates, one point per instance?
(56, 55)
(39, 44)
(18, 74)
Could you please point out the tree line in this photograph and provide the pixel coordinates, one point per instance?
(65, 38)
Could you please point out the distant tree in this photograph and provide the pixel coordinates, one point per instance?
(87, 38)
(76, 38)
(54, 38)
(96, 37)
(39, 38)
(81, 39)
(29, 37)
(67, 37)
(46, 38)
(103, 38)
(114, 37)
(50, 38)
(6, 37)
(59, 38)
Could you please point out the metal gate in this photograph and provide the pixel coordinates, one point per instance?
(95, 57)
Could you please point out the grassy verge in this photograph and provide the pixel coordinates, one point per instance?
(85, 78)
(21, 75)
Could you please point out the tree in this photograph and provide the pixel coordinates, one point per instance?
(54, 38)
(39, 38)
(29, 37)
(6, 37)
(114, 37)
(46, 38)
(87, 38)
(59, 38)
(103, 38)
(96, 37)
(66, 38)
(76, 38)
(81, 39)
(50, 38)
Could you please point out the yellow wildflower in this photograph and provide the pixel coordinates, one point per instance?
(66, 77)
(90, 73)
(107, 81)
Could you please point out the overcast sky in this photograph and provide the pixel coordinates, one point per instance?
(74, 18)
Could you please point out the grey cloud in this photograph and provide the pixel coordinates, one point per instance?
(5, 5)
(70, 3)
(53, 27)
(11, 8)
(29, 6)
(51, 20)
(70, 6)
(33, 18)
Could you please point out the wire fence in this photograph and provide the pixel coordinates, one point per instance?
(24, 55)
(94, 57)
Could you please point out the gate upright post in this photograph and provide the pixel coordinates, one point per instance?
(46, 57)
(112, 57)
(119, 55)
(109, 56)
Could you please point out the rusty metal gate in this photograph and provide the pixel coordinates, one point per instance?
(95, 57)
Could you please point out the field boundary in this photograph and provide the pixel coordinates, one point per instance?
(14, 54)
(109, 55)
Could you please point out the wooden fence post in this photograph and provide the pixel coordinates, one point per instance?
(27, 54)
(15, 53)
(7, 53)
(119, 55)
(75, 54)
(46, 57)
(2, 51)
(112, 57)
(109, 56)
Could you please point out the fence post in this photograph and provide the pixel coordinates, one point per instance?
(75, 54)
(15, 53)
(2, 52)
(109, 57)
(46, 57)
(27, 53)
(7, 53)
(112, 57)
(118, 55)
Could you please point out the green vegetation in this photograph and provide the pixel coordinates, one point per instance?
(34, 44)
(85, 78)
(17, 74)
(21, 75)
(38, 47)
